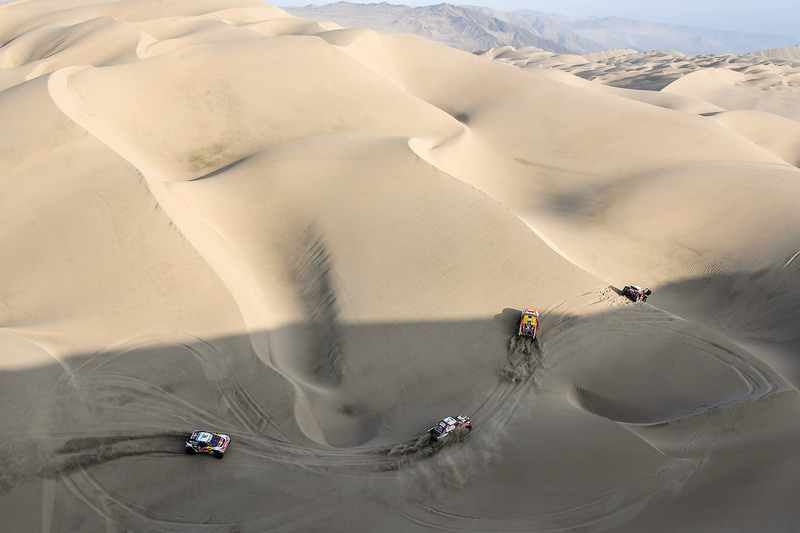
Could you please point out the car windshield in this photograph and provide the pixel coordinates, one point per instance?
(215, 440)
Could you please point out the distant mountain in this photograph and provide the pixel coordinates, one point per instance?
(474, 28)
(546, 27)
(619, 32)
(456, 26)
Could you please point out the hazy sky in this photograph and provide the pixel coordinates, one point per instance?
(777, 17)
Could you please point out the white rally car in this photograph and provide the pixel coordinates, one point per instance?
(449, 424)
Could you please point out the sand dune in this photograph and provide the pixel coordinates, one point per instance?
(789, 52)
(703, 76)
(318, 240)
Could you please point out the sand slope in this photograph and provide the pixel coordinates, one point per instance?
(319, 239)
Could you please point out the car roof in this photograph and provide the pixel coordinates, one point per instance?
(205, 436)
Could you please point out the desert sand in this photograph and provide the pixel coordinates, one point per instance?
(318, 240)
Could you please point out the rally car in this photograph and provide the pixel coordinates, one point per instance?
(528, 323)
(207, 442)
(449, 424)
(636, 293)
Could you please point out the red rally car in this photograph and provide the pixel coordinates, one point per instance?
(636, 293)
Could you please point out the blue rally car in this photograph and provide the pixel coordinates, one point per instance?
(207, 442)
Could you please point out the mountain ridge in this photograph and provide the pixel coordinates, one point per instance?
(477, 28)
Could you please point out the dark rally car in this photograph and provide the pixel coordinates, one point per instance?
(207, 442)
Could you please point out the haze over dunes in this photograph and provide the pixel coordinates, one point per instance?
(318, 240)
(476, 28)
(766, 81)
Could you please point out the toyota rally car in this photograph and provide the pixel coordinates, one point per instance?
(449, 424)
(207, 442)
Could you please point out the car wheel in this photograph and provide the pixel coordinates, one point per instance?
(219, 455)
(190, 450)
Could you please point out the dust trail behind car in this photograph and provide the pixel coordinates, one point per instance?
(425, 446)
(524, 358)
